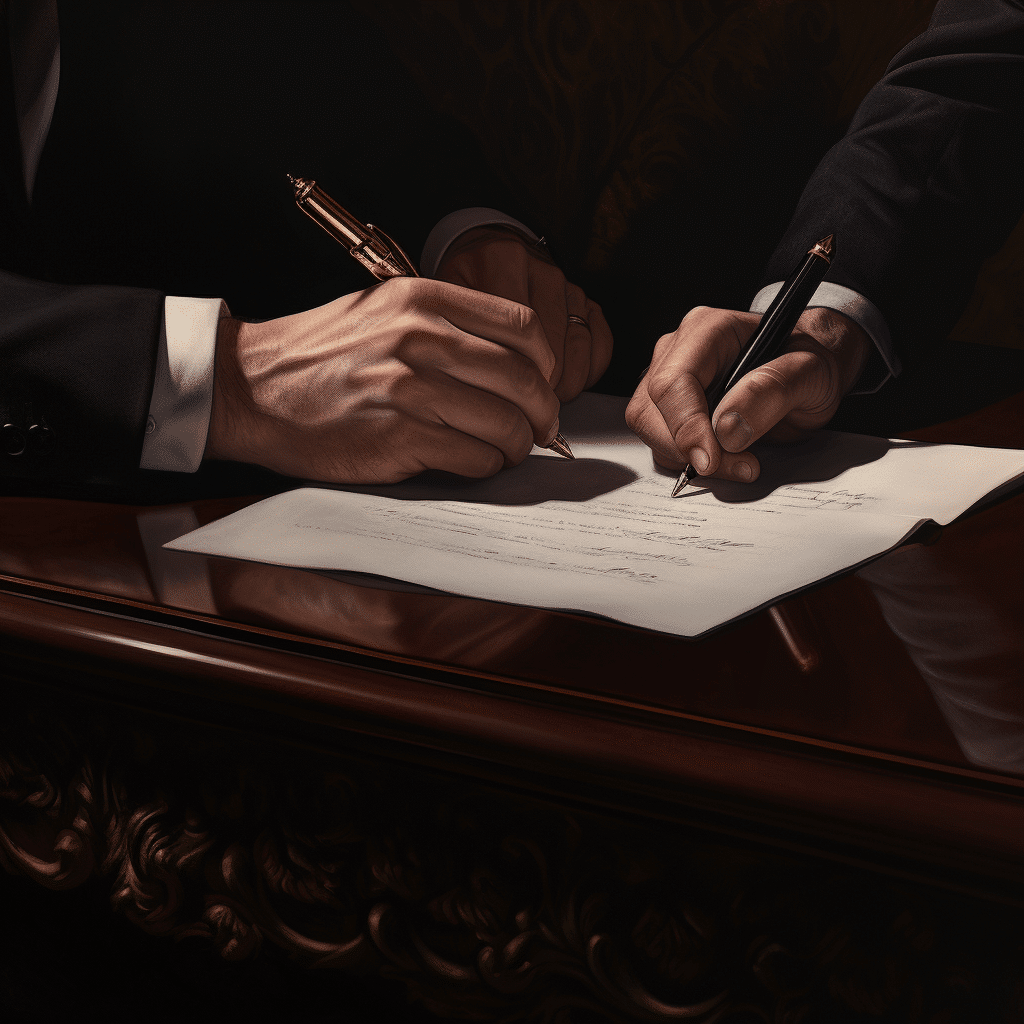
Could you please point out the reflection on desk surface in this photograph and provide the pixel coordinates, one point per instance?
(602, 535)
(919, 656)
(958, 609)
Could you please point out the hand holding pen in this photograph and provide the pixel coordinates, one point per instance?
(792, 381)
(370, 246)
(382, 383)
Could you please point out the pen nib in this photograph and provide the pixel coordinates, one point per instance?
(684, 478)
(561, 446)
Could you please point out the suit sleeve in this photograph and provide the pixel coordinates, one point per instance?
(927, 181)
(76, 375)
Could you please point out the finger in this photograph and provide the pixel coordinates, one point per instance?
(795, 382)
(486, 367)
(578, 344)
(684, 365)
(478, 313)
(646, 421)
(679, 398)
(600, 343)
(439, 446)
(547, 297)
(479, 415)
(742, 467)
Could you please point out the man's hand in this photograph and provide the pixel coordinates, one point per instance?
(502, 262)
(452, 628)
(798, 391)
(381, 384)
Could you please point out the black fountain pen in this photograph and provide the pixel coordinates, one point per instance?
(774, 329)
(379, 253)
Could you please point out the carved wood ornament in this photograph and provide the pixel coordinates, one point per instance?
(485, 904)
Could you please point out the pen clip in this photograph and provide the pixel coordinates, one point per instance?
(374, 254)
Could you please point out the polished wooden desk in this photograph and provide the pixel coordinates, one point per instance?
(510, 809)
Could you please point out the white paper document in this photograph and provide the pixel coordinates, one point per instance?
(601, 534)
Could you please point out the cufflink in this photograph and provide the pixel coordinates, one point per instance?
(41, 439)
(12, 439)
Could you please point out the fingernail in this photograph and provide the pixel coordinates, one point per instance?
(743, 470)
(552, 434)
(733, 431)
(698, 458)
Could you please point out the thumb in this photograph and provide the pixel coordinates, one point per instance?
(796, 390)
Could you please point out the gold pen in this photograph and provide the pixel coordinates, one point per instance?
(367, 243)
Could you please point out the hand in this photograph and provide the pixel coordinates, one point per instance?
(452, 628)
(381, 384)
(501, 262)
(797, 391)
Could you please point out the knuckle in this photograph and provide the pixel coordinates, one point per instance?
(403, 290)
(660, 384)
(524, 318)
(528, 382)
(666, 341)
(527, 322)
(687, 427)
(642, 420)
(366, 378)
(409, 343)
(484, 461)
(508, 421)
(698, 314)
(636, 411)
(382, 426)
(417, 344)
(520, 444)
(402, 383)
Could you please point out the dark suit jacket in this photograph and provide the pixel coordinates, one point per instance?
(929, 179)
(164, 173)
(175, 123)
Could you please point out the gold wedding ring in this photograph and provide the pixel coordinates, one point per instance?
(579, 320)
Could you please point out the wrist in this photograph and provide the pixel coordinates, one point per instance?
(487, 234)
(848, 342)
(229, 410)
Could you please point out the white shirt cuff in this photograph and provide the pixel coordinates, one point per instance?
(179, 411)
(860, 311)
(449, 228)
